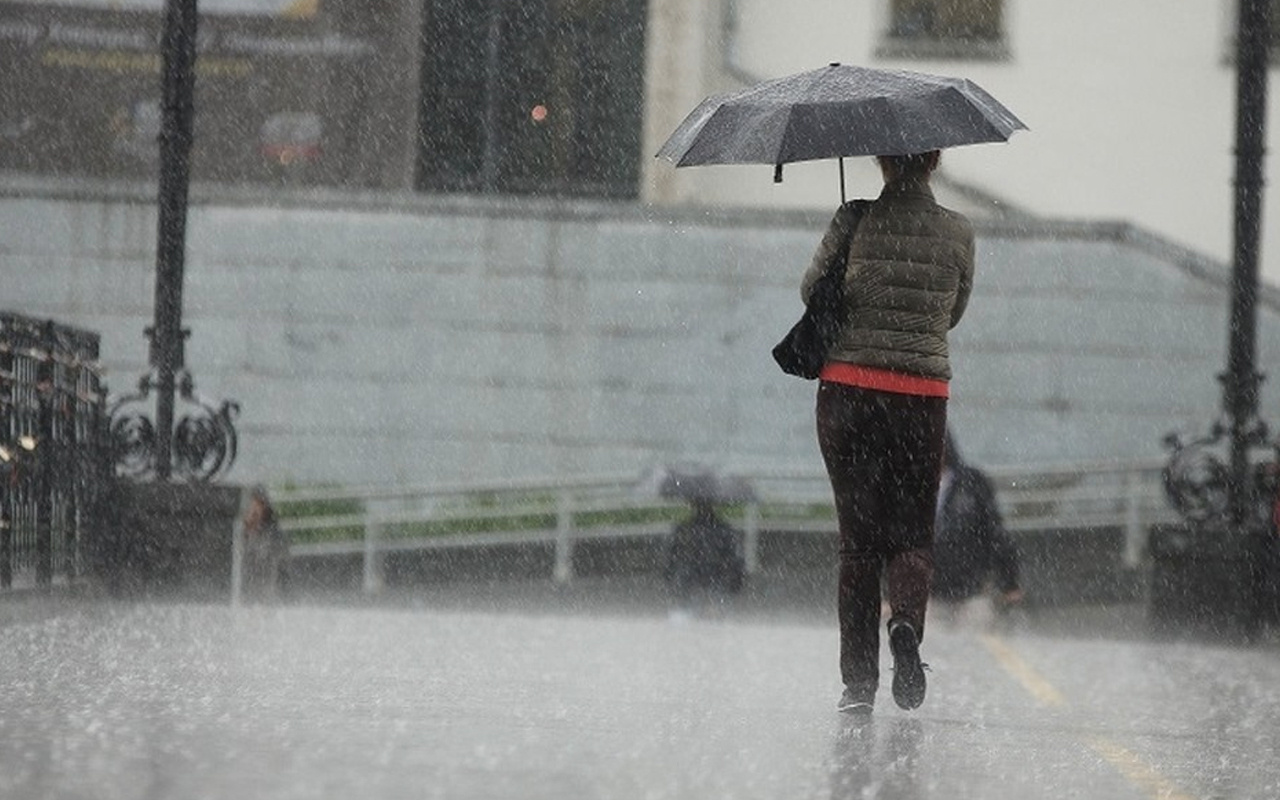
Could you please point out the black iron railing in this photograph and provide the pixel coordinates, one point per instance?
(54, 461)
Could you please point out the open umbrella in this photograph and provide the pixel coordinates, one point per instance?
(698, 483)
(838, 111)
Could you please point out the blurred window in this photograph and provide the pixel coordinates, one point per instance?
(289, 92)
(532, 97)
(952, 29)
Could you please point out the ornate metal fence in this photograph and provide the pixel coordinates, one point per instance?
(53, 453)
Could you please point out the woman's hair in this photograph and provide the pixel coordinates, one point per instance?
(913, 164)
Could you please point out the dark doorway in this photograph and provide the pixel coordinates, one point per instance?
(534, 97)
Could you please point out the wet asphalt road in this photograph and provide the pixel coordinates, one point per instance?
(598, 699)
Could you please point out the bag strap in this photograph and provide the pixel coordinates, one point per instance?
(836, 266)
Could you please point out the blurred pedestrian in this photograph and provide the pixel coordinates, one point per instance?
(970, 545)
(1270, 556)
(705, 553)
(882, 410)
(1275, 494)
(265, 548)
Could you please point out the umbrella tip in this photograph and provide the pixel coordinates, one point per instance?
(834, 64)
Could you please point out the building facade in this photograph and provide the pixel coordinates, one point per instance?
(1130, 104)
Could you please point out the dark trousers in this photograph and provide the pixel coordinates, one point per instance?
(883, 453)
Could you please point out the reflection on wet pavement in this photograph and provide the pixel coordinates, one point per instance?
(187, 701)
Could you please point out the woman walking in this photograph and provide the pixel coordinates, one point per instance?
(882, 413)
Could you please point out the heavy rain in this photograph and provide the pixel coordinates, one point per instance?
(391, 403)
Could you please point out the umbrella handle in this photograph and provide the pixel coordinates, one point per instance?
(842, 195)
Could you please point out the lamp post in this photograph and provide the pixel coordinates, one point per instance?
(167, 335)
(1241, 381)
(1212, 569)
(202, 443)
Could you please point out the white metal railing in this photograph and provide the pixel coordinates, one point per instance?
(1126, 495)
(371, 521)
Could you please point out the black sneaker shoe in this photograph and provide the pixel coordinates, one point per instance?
(856, 702)
(908, 670)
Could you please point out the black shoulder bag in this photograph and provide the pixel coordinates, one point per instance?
(803, 351)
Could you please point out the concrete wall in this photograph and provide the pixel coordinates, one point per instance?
(393, 339)
(442, 340)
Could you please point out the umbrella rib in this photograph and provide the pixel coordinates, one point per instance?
(995, 112)
(893, 115)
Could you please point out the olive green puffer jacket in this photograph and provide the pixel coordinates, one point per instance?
(908, 279)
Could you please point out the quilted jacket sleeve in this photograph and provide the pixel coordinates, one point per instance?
(834, 243)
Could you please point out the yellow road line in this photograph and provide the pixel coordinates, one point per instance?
(1136, 770)
(1032, 681)
(1133, 768)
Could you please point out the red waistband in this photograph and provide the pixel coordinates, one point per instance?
(883, 380)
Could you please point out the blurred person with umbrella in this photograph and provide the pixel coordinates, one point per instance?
(903, 270)
(705, 551)
(971, 545)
